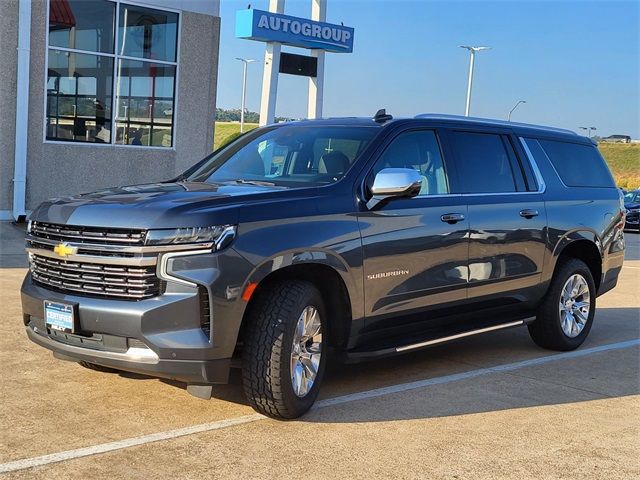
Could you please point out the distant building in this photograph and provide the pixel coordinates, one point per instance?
(616, 139)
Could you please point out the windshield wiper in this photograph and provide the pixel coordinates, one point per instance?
(254, 182)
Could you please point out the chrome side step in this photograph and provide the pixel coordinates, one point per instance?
(461, 335)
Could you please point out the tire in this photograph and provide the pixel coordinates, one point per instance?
(97, 368)
(269, 346)
(547, 330)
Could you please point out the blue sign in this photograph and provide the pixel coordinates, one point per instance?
(294, 31)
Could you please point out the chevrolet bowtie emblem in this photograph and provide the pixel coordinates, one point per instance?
(64, 249)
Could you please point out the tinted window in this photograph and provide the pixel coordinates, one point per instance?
(79, 97)
(147, 33)
(483, 163)
(82, 25)
(578, 165)
(287, 155)
(418, 150)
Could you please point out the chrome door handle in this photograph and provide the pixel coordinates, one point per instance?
(452, 218)
(528, 213)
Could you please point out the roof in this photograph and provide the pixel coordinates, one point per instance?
(522, 128)
(491, 121)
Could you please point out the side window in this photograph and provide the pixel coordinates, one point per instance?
(483, 163)
(419, 150)
(578, 165)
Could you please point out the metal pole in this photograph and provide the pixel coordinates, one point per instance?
(244, 92)
(470, 82)
(22, 111)
(270, 73)
(514, 107)
(316, 84)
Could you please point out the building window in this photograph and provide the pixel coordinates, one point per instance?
(111, 73)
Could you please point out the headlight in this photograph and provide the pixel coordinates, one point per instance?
(220, 235)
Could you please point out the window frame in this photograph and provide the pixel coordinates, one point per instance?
(448, 165)
(115, 58)
(517, 162)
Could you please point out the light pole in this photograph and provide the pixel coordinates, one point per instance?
(473, 51)
(514, 107)
(245, 63)
(588, 129)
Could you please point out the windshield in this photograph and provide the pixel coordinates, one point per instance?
(631, 197)
(291, 155)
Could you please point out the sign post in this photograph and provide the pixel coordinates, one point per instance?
(270, 73)
(316, 84)
(276, 29)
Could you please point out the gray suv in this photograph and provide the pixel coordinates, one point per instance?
(356, 238)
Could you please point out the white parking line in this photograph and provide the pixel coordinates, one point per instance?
(378, 392)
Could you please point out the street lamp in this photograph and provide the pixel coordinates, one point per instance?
(514, 107)
(588, 129)
(245, 62)
(473, 51)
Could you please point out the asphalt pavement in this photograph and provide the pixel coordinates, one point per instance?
(491, 406)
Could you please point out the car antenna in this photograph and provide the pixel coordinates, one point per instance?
(381, 116)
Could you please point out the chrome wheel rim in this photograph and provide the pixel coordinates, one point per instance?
(306, 351)
(575, 304)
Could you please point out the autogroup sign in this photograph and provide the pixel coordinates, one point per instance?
(294, 31)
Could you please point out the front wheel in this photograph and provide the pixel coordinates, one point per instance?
(566, 314)
(283, 355)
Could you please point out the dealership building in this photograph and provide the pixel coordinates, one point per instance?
(102, 92)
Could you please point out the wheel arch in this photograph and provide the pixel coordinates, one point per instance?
(583, 245)
(326, 272)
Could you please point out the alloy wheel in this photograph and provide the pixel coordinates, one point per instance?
(306, 351)
(575, 304)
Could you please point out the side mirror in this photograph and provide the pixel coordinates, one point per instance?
(394, 183)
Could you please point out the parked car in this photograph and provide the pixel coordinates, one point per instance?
(632, 206)
(616, 139)
(357, 238)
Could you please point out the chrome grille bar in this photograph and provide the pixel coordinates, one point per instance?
(64, 233)
(94, 279)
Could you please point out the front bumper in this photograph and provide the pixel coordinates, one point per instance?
(160, 336)
(188, 371)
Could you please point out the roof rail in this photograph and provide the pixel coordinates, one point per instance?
(490, 121)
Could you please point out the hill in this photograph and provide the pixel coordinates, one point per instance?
(624, 161)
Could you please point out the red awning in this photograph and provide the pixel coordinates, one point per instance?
(60, 15)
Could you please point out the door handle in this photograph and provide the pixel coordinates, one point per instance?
(452, 218)
(528, 213)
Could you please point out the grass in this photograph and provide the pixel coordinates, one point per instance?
(226, 131)
(623, 159)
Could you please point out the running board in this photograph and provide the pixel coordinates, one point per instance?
(390, 350)
(435, 341)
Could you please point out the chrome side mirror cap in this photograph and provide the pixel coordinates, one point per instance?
(394, 183)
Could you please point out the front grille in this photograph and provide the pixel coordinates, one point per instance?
(633, 215)
(94, 235)
(94, 279)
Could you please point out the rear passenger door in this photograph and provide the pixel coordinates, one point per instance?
(507, 218)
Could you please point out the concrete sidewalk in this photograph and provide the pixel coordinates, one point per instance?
(12, 254)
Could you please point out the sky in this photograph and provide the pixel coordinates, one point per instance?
(575, 63)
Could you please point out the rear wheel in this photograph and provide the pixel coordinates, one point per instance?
(566, 314)
(283, 356)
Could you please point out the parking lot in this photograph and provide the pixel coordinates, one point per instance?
(492, 406)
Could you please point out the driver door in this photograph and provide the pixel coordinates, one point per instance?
(415, 249)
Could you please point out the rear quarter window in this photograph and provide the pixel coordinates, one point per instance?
(577, 165)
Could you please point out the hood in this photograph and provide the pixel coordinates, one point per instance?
(157, 205)
(632, 205)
